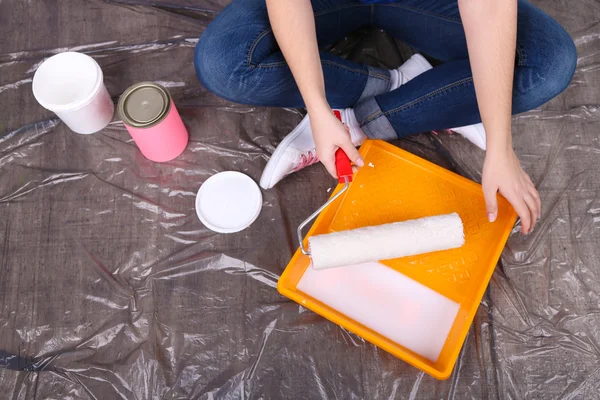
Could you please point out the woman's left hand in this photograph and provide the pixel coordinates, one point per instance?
(502, 173)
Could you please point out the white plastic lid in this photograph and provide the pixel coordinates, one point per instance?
(228, 202)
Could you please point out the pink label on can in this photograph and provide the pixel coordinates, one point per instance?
(163, 141)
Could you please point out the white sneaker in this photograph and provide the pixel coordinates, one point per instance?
(297, 150)
(474, 134)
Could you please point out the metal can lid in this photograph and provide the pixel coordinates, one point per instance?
(144, 104)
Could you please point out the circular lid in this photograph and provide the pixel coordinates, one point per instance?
(228, 202)
(144, 104)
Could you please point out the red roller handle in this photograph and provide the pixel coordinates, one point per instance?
(343, 166)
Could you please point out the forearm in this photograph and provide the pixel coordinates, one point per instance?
(293, 25)
(491, 32)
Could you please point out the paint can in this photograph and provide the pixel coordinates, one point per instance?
(153, 121)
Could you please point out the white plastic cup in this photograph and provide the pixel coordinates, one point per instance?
(71, 85)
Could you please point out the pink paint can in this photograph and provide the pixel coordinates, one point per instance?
(151, 118)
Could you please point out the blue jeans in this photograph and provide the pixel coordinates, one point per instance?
(238, 59)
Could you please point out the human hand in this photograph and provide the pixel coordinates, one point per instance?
(502, 173)
(330, 134)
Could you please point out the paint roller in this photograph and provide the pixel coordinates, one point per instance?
(380, 242)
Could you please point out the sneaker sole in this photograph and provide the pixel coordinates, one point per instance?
(479, 141)
(267, 175)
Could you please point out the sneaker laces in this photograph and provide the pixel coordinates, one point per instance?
(306, 159)
(448, 131)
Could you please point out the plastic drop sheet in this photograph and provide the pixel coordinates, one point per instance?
(110, 288)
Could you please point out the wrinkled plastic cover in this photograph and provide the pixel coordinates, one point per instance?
(111, 288)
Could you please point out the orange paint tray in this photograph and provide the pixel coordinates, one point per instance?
(395, 185)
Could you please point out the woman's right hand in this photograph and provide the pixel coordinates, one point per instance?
(330, 134)
(293, 24)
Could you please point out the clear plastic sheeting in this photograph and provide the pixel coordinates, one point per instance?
(111, 288)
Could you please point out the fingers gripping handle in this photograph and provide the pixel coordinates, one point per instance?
(343, 166)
